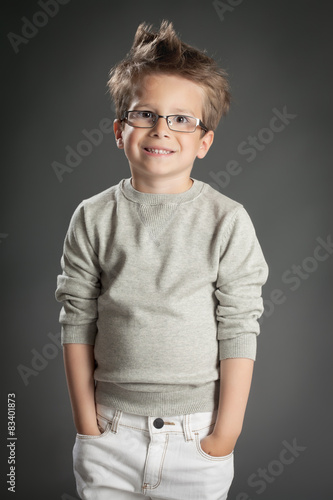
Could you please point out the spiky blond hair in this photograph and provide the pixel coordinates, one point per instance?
(162, 51)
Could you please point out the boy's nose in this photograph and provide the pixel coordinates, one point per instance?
(160, 127)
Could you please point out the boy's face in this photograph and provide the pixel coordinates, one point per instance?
(165, 95)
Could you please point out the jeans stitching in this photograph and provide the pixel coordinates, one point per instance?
(99, 436)
(203, 428)
(209, 457)
(134, 428)
(115, 421)
(152, 487)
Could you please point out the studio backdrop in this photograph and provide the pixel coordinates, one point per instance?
(272, 153)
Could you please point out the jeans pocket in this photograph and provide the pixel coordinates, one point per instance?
(104, 427)
(205, 455)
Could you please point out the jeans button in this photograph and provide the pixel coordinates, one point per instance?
(158, 423)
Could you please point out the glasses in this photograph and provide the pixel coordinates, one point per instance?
(177, 123)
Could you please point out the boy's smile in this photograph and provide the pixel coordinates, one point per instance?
(158, 152)
(161, 159)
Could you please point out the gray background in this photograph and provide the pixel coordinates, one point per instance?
(278, 53)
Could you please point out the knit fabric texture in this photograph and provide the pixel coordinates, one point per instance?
(164, 286)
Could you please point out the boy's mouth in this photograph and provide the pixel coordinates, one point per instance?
(155, 151)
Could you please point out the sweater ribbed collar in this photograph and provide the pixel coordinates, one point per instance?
(160, 198)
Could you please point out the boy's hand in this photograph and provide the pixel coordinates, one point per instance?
(89, 431)
(236, 374)
(217, 446)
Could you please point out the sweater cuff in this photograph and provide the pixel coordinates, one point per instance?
(78, 334)
(242, 346)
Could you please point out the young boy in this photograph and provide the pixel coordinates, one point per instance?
(161, 292)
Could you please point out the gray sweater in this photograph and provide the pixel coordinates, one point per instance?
(164, 286)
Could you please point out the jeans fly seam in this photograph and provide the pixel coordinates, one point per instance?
(161, 466)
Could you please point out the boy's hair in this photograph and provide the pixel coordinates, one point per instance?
(163, 52)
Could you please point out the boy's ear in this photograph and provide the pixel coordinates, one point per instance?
(118, 133)
(206, 143)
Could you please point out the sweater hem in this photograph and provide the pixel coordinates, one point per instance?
(243, 346)
(198, 399)
(78, 334)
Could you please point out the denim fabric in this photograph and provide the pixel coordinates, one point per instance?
(132, 459)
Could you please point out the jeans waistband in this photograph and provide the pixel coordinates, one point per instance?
(186, 424)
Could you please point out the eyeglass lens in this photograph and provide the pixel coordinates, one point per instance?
(147, 119)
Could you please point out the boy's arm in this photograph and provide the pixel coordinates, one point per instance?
(79, 365)
(242, 272)
(78, 290)
(236, 376)
(78, 287)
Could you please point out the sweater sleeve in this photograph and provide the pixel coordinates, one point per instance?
(78, 287)
(242, 273)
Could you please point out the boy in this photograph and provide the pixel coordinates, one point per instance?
(161, 291)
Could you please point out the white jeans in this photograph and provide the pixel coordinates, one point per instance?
(156, 458)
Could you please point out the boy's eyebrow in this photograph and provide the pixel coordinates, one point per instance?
(138, 105)
(148, 107)
(184, 111)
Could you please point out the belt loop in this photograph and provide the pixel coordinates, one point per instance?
(187, 427)
(115, 421)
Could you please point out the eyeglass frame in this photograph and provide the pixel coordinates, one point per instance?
(198, 124)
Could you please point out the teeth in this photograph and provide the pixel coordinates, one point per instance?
(159, 151)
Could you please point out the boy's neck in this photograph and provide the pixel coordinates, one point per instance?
(163, 187)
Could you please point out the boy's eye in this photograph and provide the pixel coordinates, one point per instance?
(180, 119)
(148, 115)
